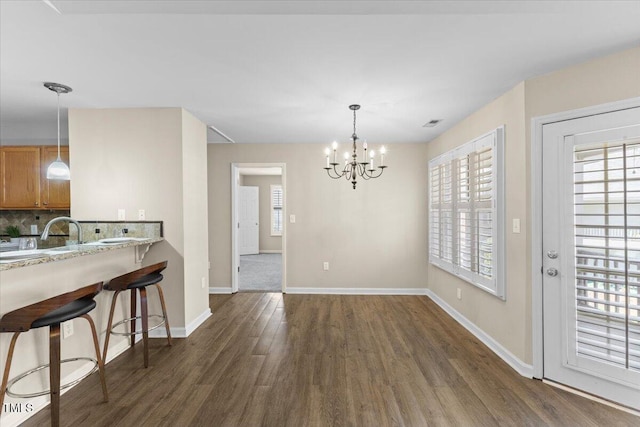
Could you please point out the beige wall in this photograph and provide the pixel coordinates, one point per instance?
(133, 159)
(194, 190)
(503, 320)
(373, 237)
(268, 243)
(603, 80)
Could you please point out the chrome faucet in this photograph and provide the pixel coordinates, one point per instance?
(45, 232)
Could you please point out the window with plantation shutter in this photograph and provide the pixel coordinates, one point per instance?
(466, 200)
(276, 210)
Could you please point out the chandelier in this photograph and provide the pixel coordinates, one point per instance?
(354, 168)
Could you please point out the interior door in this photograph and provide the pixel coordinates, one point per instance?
(591, 244)
(248, 217)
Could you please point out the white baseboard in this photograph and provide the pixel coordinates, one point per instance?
(182, 332)
(271, 251)
(518, 365)
(221, 290)
(355, 291)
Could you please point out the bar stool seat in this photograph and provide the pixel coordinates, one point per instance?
(52, 312)
(66, 312)
(150, 279)
(137, 282)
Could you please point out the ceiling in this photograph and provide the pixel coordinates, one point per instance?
(269, 71)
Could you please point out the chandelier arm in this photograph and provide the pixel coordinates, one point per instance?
(337, 176)
(373, 174)
(334, 177)
(362, 171)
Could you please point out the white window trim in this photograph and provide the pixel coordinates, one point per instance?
(495, 286)
(271, 211)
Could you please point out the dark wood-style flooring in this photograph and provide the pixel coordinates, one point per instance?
(321, 360)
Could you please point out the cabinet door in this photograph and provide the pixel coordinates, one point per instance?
(20, 174)
(55, 193)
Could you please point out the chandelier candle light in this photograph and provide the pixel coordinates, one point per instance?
(353, 168)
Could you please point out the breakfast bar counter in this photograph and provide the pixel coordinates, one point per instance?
(18, 259)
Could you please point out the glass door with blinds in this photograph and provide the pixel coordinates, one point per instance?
(591, 243)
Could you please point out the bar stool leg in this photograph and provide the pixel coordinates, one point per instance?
(54, 373)
(100, 360)
(133, 316)
(7, 368)
(164, 313)
(145, 324)
(109, 326)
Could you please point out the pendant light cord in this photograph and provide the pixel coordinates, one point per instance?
(58, 125)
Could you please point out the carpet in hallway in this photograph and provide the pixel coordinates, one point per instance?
(260, 273)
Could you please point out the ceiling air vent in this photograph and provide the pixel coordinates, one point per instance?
(431, 123)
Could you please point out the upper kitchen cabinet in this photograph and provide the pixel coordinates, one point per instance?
(55, 194)
(23, 171)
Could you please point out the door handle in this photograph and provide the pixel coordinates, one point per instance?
(552, 254)
(552, 272)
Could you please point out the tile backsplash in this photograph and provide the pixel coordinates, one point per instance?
(60, 232)
(107, 229)
(25, 219)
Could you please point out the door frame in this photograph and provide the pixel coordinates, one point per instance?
(235, 175)
(537, 124)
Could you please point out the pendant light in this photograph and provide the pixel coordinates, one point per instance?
(58, 169)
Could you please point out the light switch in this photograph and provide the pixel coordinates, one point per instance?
(516, 225)
(292, 219)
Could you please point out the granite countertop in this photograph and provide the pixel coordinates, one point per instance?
(17, 259)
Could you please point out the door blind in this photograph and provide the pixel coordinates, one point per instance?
(607, 252)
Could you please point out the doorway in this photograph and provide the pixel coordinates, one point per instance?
(258, 228)
(590, 254)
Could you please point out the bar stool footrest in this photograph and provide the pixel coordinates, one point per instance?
(41, 367)
(128, 334)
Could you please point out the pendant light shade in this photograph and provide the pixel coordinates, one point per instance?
(58, 169)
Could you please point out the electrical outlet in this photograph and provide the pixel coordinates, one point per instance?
(292, 219)
(67, 329)
(325, 266)
(459, 293)
(121, 214)
(141, 215)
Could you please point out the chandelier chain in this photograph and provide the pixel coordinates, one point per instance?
(354, 122)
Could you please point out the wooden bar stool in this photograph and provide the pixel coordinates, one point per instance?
(51, 312)
(137, 281)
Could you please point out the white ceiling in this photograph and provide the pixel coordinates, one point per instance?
(271, 71)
